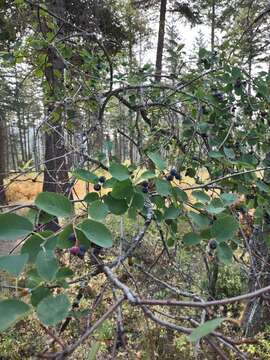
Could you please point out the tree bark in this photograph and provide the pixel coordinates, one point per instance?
(55, 168)
(257, 312)
(213, 27)
(161, 35)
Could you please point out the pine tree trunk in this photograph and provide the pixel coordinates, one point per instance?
(161, 35)
(213, 27)
(257, 312)
(55, 169)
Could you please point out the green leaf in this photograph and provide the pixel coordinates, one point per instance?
(11, 311)
(207, 328)
(224, 228)
(63, 273)
(96, 232)
(191, 239)
(39, 294)
(53, 309)
(263, 186)
(119, 171)
(116, 206)
(90, 197)
(201, 221)
(47, 265)
(163, 187)
(228, 198)
(180, 194)
(215, 207)
(215, 154)
(13, 226)
(157, 160)
(230, 154)
(171, 213)
(54, 204)
(14, 264)
(225, 253)
(62, 241)
(146, 176)
(200, 196)
(122, 190)
(137, 200)
(85, 175)
(32, 245)
(109, 183)
(98, 210)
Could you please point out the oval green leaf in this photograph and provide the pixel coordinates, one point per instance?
(54, 204)
(13, 226)
(11, 311)
(53, 309)
(96, 232)
(14, 264)
(98, 210)
(47, 265)
(119, 171)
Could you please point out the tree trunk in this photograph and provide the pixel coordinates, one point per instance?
(257, 312)
(213, 26)
(2, 159)
(161, 35)
(55, 167)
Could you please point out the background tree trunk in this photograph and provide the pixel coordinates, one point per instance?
(257, 312)
(56, 169)
(161, 35)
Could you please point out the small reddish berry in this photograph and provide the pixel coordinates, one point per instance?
(75, 250)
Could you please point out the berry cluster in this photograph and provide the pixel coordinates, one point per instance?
(76, 250)
(101, 181)
(173, 174)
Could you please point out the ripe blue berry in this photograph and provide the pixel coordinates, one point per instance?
(212, 244)
(173, 172)
(145, 190)
(177, 176)
(97, 187)
(102, 179)
(169, 177)
(72, 237)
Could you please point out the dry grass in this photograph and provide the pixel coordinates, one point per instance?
(25, 188)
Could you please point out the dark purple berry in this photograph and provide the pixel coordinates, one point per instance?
(72, 237)
(82, 248)
(81, 252)
(145, 190)
(97, 187)
(169, 177)
(177, 176)
(173, 172)
(212, 244)
(102, 179)
(74, 250)
(145, 184)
